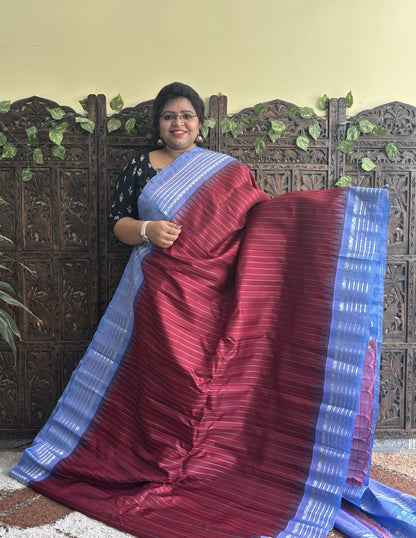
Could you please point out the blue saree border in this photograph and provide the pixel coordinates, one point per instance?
(90, 381)
(357, 318)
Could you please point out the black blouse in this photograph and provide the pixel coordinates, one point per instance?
(129, 186)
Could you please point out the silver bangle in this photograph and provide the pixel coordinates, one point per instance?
(143, 230)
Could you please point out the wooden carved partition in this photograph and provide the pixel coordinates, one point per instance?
(58, 224)
(52, 221)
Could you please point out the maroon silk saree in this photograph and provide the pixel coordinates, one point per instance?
(220, 394)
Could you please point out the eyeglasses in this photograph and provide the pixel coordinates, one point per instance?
(185, 117)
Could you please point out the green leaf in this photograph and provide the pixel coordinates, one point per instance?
(366, 126)
(204, 131)
(3, 139)
(56, 136)
(302, 142)
(129, 127)
(391, 150)
(12, 301)
(117, 103)
(5, 286)
(259, 109)
(344, 181)
(277, 126)
(251, 123)
(274, 135)
(113, 124)
(379, 131)
(292, 112)
(62, 127)
(2, 201)
(323, 103)
(237, 129)
(38, 156)
(346, 146)
(349, 100)
(306, 112)
(226, 125)
(259, 145)
(32, 139)
(353, 132)
(4, 107)
(58, 151)
(210, 122)
(9, 321)
(367, 164)
(314, 130)
(26, 174)
(84, 104)
(5, 331)
(9, 151)
(86, 124)
(57, 113)
(31, 131)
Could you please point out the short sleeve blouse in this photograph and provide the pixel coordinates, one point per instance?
(129, 186)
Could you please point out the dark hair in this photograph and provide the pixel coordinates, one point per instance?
(173, 91)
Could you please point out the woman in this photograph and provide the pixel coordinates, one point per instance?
(221, 392)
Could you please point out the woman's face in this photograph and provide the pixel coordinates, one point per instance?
(179, 124)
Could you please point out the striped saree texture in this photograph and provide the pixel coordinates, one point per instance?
(231, 386)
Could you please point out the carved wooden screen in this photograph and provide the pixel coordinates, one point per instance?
(52, 221)
(397, 411)
(58, 223)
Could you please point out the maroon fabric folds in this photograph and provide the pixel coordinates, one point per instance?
(208, 427)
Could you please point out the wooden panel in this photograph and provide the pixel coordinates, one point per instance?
(52, 220)
(58, 224)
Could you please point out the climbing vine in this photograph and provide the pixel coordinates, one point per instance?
(307, 131)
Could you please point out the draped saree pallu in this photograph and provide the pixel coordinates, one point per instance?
(230, 389)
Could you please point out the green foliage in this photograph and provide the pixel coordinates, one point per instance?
(27, 174)
(260, 109)
(308, 130)
(344, 181)
(259, 145)
(323, 103)
(302, 142)
(314, 130)
(85, 124)
(346, 146)
(56, 129)
(367, 164)
(391, 150)
(8, 297)
(113, 125)
(4, 107)
(84, 104)
(117, 103)
(129, 127)
(209, 123)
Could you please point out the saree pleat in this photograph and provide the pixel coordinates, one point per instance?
(231, 387)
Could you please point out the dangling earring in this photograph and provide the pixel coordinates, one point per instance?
(199, 140)
(160, 142)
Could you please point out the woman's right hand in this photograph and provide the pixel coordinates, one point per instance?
(162, 233)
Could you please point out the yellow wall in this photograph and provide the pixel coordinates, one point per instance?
(250, 50)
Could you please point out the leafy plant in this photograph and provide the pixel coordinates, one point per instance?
(8, 328)
(56, 127)
(307, 131)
